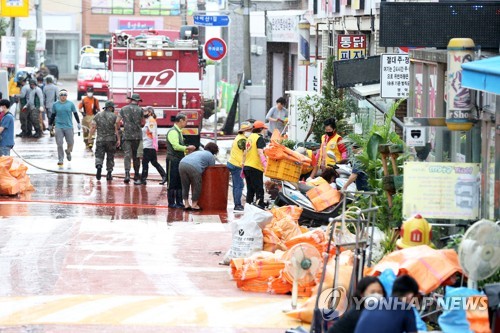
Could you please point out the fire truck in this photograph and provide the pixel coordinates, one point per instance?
(166, 68)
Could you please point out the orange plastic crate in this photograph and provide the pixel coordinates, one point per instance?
(283, 170)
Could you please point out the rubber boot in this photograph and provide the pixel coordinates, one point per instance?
(137, 169)
(109, 176)
(98, 173)
(127, 177)
(171, 199)
(178, 199)
(142, 181)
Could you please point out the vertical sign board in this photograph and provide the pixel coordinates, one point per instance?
(441, 190)
(15, 8)
(8, 55)
(395, 76)
(351, 47)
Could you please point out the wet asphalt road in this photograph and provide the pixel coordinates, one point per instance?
(81, 255)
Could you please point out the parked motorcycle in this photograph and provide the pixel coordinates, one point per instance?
(344, 171)
(295, 194)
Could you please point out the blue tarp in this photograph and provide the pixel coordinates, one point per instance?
(482, 75)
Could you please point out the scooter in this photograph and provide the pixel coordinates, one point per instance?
(295, 194)
(344, 171)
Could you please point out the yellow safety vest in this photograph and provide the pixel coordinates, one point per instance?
(236, 155)
(252, 158)
(332, 146)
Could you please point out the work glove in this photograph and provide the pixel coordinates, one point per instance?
(79, 126)
(263, 161)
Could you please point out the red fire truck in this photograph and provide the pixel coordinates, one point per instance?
(166, 71)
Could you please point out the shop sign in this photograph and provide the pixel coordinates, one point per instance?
(441, 190)
(415, 137)
(283, 28)
(351, 47)
(394, 76)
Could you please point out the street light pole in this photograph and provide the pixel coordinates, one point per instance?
(247, 61)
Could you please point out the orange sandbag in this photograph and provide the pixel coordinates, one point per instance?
(305, 311)
(429, 267)
(286, 228)
(259, 265)
(271, 241)
(323, 196)
(316, 238)
(478, 317)
(25, 184)
(293, 211)
(6, 161)
(265, 285)
(18, 168)
(8, 184)
(276, 151)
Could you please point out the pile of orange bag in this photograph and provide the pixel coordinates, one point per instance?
(13, 177)
(264, 271)
(277, 151)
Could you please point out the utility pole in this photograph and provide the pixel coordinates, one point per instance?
(39, 31)
(247, 61)
(184, 9)
(17, 35)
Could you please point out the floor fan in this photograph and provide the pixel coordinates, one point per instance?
(479, 251)
(302, 263)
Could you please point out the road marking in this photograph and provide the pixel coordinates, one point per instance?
(203, 311)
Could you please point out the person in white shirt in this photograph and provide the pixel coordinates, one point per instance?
(150, 146)
(277, 116)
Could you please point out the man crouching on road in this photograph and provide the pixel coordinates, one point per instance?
(61, 118)
(108, 139)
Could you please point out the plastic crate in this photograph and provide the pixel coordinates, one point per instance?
(283, 170)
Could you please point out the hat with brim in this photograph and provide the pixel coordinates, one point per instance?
(136, 97)
(109, 104)
(244, 127)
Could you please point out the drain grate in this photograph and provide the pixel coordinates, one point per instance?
(205, 219)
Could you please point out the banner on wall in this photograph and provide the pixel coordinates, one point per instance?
(166, 7)
(8, 55)
(118, 7)
(441, 190)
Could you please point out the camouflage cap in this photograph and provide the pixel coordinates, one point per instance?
(109, 104)
(136, 97)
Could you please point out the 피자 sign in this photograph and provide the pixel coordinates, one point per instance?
(351, 47)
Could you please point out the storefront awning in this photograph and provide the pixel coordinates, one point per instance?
(482, 75)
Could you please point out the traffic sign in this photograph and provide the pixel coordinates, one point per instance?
(211, 20)
(215, 49)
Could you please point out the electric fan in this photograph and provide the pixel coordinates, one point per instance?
(479, 251)
(302, 263)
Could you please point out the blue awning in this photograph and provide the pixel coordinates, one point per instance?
(482, 75)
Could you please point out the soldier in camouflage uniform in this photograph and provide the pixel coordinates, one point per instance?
(133, 121)
(108, 138)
